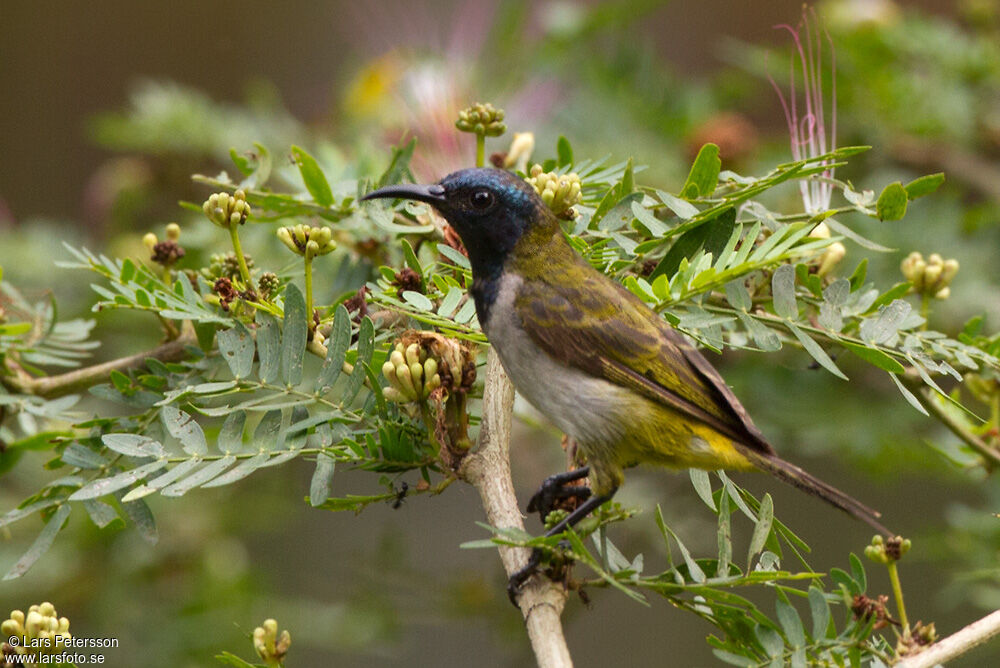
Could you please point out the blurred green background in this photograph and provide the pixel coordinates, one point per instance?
(109, 107)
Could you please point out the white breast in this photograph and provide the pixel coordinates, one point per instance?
(582, 406)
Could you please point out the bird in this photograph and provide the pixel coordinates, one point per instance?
(591, 356)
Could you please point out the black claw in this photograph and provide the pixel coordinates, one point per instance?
(518, 579)
(555, 488)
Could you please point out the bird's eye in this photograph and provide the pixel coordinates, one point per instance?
(481, 199)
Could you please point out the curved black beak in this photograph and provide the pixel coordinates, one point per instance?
(432, 194)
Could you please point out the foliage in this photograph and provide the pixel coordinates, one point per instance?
(243, 397)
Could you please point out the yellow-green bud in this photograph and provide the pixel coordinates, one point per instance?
(299, 237)
(173, 231)
(11, 628)
(559, 192)
(227, 210)
(481, 119)
(149, 240)
(931, 276)
(835, 252)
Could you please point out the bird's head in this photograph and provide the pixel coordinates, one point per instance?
(491, 210)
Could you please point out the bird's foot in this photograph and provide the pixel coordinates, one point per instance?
(517, 580)
(557, 488)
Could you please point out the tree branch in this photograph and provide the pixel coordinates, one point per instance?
(488, 469)
(956, 644)
(50, 387)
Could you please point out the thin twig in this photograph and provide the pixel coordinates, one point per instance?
(956, 644)
(49, 387)
(488, 469)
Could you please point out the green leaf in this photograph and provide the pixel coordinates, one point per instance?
(184, 428)
(653, 225)
(133, 445)
(891, 204)
(734, 659)
(240, 471)
(874, 356)
(456, 256)
(399, 164)
(924, 185)
(564, 152)
(909, 396)
(103, 515)
(313, 177)
(268, 346)
(890, 295)
(816, 351)
(230, 439)
(293, 336)
(366, 347)
(820, 610)
(783, 292)
(858, 277)
(411, 258)
(627, 185)
(237, 348)
(322, 480)
(418, 301)
(858, 572)
(703, 486)
(724, 536)
(336, 350)
(766, 339)
(881, 328)
(765, 518)
(704, 174)
(710, 236)
(788, 617)
(103, 486)
(42, 543)
(206, 473)
(682, 208)
(142, 517)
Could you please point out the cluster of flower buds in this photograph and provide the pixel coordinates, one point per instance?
(886, 550)
(269, 646)
(424, 361)
(920, 636)
(412, 375)
(268, 284)
(559, 191)
(225, 266)
(41, 625)
(931, 276)
(303, 239)
(481, 119)
(166, 252)
(227, 210)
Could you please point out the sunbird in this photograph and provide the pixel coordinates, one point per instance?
(593, 357)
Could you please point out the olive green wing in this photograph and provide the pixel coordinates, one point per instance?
(595, 325)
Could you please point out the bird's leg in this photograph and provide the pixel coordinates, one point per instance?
(585, 508)
(554, 488)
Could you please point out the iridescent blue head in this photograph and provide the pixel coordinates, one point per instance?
(489, 208)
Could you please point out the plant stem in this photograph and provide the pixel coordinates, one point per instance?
(50, 387)
(897, 591)
(234, 235)
(309, 290)
(480, 150)
(488, 469)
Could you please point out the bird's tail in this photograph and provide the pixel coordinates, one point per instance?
(793, 475)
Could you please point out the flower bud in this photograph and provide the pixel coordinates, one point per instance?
(297, 238)
(173, 231)
(227, 210)
(482, 119)
(149, 240)
(559, 192)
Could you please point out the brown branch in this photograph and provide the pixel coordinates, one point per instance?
(488, 469)
(49, 387)
(956, 644)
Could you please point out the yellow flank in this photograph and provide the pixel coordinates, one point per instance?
(655, 434)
